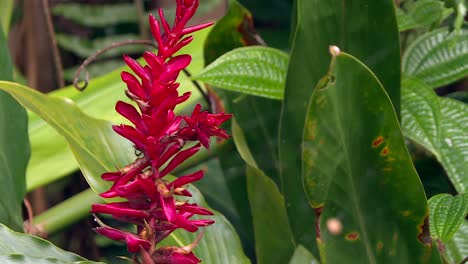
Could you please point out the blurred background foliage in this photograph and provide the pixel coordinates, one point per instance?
(47, 60)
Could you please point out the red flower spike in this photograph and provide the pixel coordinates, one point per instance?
(161, 137)
(133, 241)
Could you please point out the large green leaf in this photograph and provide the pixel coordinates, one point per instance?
(96, 147)
(423, 13)
(438, 57)
(447, 213)
(26, 249)
(456, 249)
(251, 70)
(438, 124)
(365, 28)
(220, 242)
(274, 242)
(14, 148)
(358, 173)
(51, 157)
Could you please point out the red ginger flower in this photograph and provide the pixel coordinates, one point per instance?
(160, 135)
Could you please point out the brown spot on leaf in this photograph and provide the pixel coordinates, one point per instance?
(377, 142)
(424, 235)
(384, 151)
(353, 236)
(318, 211)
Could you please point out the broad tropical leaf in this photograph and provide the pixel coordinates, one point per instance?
(367, 29)
(438, 124)
(423, 13)
(456, 250)
(14, 148)
(21, 248)
(256, 71)
(358, 174)
(447, 213)
(97, 148)
(274, 242)
(438, 57)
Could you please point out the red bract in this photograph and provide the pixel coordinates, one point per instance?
(161, 136)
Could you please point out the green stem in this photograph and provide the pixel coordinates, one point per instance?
(77, 207)
(67, 212)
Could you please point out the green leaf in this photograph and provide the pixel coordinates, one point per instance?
(457, 247)
(220, 242)
(302, 256)
(423, 13)
(438, 124)
(51, 157)
(97, 15)
(274, 242)
(96, 147)
(447, 213)
(85, 48)
(365, 28)
(6, 10)
(14, 148)
(21, 248)
(358, 174)
(438, 57)
(251, 70)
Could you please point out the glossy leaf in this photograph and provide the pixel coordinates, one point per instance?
(14, 148)
(423, 13)
(366, 29)
(85, 48)
(97, 148)
(274, 242)
(438, 57)
(21, 248)
(6, 10)
(51, 157)
(256, 71)
(438, 124)
(358, 174)
(302, 256)
(97, 15)
(447, 213)
(220, 242)
(456, 249)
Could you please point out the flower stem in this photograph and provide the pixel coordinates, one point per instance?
(67, 212)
